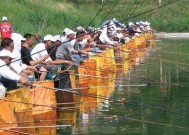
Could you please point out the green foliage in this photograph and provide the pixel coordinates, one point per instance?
(51, 16)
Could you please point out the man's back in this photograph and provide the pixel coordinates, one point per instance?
(26, 56)
(64, 51)
(6, 30)
(39, 51)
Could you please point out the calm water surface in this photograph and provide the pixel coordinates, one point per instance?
(155, 100)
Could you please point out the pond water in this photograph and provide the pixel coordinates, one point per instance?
(151, 99)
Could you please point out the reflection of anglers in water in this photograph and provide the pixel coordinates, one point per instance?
(164, 85)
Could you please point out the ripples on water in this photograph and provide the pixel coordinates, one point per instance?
(159, 108)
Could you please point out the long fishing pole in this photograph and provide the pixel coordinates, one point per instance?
(132, 11)
(129, 102)
(169, 3)
(180, 53)
(109, 12)
(92, 95)
(97, 14)
(14, 131)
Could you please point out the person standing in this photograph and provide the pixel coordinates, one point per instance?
(5, 28)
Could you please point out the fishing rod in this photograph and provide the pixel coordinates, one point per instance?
(55, 126)
(106, 117)
(168, 65)
(156, 123)
(127, 102)
(153, 104)
(14, 131)
(169, 61)
(132, 11)
(97, 14)
(161, 109)
(147, 11)
(100, 97)
(109, 12)
(180, 53)
(88, 76)
(50, 106)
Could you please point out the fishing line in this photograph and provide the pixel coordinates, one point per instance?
(109, 12)
(97, 14)
(132, 11)
(162, 109)
(91, 95)
(151, 10)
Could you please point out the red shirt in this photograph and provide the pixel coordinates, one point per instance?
(6, 30)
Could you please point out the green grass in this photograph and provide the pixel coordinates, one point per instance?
(51, 16)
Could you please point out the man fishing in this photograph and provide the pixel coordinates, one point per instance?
(8, 77)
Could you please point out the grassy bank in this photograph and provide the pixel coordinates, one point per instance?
(51, 16)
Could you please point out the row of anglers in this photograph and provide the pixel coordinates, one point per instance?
(19, 61)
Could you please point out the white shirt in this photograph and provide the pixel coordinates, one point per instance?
(39, 51)
(104, 38)
(73, 42)
(119, 35)
(18, 66)
(6, 72)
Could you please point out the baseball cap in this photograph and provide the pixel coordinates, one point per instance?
(49, 37)
(80, 28)
(70, 32)
(65, 30)
(57, 38)
(4, 18)
(4, 53)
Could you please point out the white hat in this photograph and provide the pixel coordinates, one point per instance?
(65, 30)
(98, 29)
(80, 28)
(49, 37)
(4, 53)
(137, 23)
(131, 24)
(23, 39)
(147, 23)
(4, 18)
(136, 35)
(70, 32)
(57, 38)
